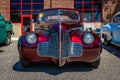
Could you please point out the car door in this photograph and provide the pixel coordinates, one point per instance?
(116, 29)
(116, 34)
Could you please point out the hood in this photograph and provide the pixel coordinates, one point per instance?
(66, 25)
(54, 26)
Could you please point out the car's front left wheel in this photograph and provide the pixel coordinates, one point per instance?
(24, 63)
(106, 39)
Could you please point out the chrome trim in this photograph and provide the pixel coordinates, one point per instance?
(115, 44)
(60, 36)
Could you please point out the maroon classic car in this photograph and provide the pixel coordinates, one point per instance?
(59, 37)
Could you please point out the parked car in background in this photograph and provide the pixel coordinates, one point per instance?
(111, 32)
(59, 37)
(5, 31)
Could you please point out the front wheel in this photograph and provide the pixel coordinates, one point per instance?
(106, 41)
(106, 38)
(8, 42)
(96, 63)
(24, 63)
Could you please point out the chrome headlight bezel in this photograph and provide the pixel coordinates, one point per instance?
(88, 38)
(31, 38)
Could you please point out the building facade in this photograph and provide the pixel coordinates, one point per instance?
(110, 7)
(22, 12)
(5, 9)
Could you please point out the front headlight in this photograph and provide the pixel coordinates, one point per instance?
(88, 38)
(31, 38)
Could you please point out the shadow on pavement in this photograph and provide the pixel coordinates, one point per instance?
(113, 49)
(53, 69)
(2, 44)
(1, 51)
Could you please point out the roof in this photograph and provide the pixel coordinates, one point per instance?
(59, 8)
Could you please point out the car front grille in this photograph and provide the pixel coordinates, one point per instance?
(51, 48)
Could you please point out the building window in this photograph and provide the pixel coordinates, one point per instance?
(88, 15)
(91, 9)
(14, 1)
(78, 0)
(15, 7)
(26, 1)
(15, 16)
(20, 7)
(88, 5)
(97, 6)
(26, 12)
(38, 1)
(97, 15)
(78, 6)
(97, 1)
(87, 0)
(26, 6)
(37, 7)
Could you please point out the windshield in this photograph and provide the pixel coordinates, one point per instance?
(58, 15)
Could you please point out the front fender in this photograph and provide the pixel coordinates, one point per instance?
(41, 37)
(106, 28)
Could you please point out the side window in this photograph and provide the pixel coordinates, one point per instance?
(116, 19)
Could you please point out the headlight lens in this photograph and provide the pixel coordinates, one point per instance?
(31, 38)
(88, 38)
